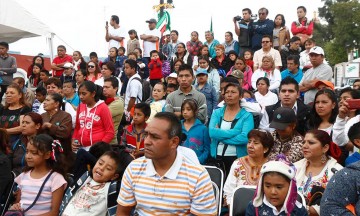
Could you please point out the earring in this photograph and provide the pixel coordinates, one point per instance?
(323, 158)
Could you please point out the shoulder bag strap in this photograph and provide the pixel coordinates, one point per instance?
(38, 195)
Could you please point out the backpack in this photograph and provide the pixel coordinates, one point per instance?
(146, 89)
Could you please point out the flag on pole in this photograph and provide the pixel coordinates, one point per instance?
(211, 27)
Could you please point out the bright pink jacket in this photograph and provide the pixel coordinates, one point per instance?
(247, 77)
(93, 126)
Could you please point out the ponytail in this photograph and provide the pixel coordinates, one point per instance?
(91, 87)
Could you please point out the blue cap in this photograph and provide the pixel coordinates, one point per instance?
(201, 71)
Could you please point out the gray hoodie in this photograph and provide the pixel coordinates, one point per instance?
(7, 69)
(343, 189)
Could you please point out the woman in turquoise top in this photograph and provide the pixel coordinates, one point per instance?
(229, 127)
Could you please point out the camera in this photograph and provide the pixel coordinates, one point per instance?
(239, 18)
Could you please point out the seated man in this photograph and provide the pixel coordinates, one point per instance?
(165, 181)
(70, 95)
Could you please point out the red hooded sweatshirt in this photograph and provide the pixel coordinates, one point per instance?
(94, 125)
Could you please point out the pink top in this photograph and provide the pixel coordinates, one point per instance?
(30, 187)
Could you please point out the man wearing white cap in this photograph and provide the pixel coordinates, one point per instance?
(319, 71)
(151, 38)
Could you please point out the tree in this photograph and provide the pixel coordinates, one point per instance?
(341, 33)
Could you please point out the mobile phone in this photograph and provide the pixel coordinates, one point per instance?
(107, 23)
(353, 103)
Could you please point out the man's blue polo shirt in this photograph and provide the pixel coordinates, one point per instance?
(298, 76)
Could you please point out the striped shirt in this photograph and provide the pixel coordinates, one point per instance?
(30, 187)
(184, 190)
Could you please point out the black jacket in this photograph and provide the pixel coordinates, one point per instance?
(285, 53)
(302, 114)
(245, 33)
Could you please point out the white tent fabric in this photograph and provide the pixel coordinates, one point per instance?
(17, 23)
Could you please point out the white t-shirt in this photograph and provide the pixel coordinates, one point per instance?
(266, 100)
(150, 46)
(88, 201)
(100, 82)
(119, 32)
(231, 149)
(133, 89)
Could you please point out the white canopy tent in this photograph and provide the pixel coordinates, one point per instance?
(17, 23)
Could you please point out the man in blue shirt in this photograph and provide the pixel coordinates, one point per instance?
(293, 69)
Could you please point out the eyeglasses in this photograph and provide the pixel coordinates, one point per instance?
(91, 66)
(265, 41)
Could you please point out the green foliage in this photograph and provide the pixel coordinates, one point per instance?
(342, 32)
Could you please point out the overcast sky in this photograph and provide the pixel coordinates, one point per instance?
(80, 24)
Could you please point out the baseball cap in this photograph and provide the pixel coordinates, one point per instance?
(151, 21)
(282, 117)
(237, 74)
(201, 71)
(317, 50)
(68, 65)
(167, 32)
(325, 82)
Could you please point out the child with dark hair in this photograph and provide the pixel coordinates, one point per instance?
(120, 59)
(134, 134)
(354, 138)
(45, 166)
(276, 193)
(40, 94)
(155, 66)
(197, 133)
(44, 76)
(95, 192)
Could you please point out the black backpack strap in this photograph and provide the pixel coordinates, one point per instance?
(141, 82)
(38, 195)
(112, 197)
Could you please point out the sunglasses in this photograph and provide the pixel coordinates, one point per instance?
(265, 41)
(91, 66)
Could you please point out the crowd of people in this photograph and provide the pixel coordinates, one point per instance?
(130, 135)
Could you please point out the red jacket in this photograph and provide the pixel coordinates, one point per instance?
(58, 60)
(306, 27)
(155, 69)
(95, 126)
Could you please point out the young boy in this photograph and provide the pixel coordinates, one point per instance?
(69, 93)
(40, 95)
(171, 87)
(96, 193)
(121, 57)
(94, 58)
(134, 134)
(44, 76)
(354, 138)
(155, 66)
(209, 91)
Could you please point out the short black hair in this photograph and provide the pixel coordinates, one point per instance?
(132, 63)
(355, 94)
(114, 82)
(54, 80)
(301, 7)
(294, 38)
(41, 90)
(73, 84)
(187, 68)
(4, 44)
(229, 80)
(115, 156)
(99, 148)
(354, 132)
(172, 85)
(248, 10)
(175, 124)
(115, 19)
(295, 58)
(176, 32)
(93, 54)
(145, 108)
(122, 48)
(236, 85)
(265, 79)
(268, 36)
(153, 51)
(288, 81)
(46, 72)
(62, 47)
